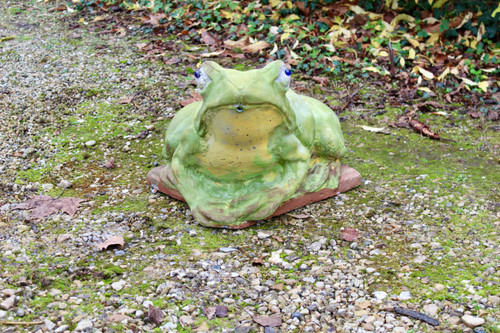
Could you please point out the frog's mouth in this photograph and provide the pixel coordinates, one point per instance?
(238, 139)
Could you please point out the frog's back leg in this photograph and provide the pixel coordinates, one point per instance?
(183, 119)
(328, 138)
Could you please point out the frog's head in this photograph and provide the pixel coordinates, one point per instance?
(238, 92)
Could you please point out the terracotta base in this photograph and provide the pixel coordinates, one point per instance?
(349, 178)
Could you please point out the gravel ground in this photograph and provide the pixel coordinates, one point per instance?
(72, 98)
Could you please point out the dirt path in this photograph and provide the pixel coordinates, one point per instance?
(72, 99)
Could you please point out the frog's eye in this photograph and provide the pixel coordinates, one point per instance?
(202, 79)
(283, 78)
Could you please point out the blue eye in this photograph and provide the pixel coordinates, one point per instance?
(288, 72)
(197, 74)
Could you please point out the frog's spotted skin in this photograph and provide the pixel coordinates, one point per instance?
(250, 145)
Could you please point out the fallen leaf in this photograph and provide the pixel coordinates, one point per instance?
(154, 19)
(349, 234)
(428, 91)
(428, 75)
(321, 80)
(196, 97)
(42, 206)
(211, 54)
(208, 39)
(258, 261)
(257, 47)
(155, 315)
(112, 241)
(238, 43)
(110, 164)
(16, 154)
(268, 321)
(117, 317)
(375, 129)
(423, 129)
(299, 216)
(173, 61)
(126, 99)
(279, 239)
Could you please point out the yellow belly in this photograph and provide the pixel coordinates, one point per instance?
(238, 141)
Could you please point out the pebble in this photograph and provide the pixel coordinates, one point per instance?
(3, 314)
(268, 329)
(431, 309)
(61, 328)
(263, 235)
(404, 295)
(495, 300)
(118, 285)
(8, 303)
(49, 324)
(47, 187)
(439, 287)
(380, 294)
(90, 143)
(297, 315)
(472, 321)
(64, 183)
(243, 329)
(84, 324)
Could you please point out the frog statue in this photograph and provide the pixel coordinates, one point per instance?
(251, 149)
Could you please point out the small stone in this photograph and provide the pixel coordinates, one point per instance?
(118, 285)
(50, 325)
(405, 295)
(84, 324)
(453, 320)
(8, 303)
(242, 329)
(263, 235)
(439, 287)
(380, 294)
(20, 313)
(150, 127)
(3, 314)
(303, 267)
(64, 183)
(420, 259)
(368, 327)
(479, 330)
(472, 321)
(268, 329)
(431, 309)
(186, 320)
(494, 300)
(297, 315)
(320, 285)
(227, 249)
(308, 279)
(363, 304)
(90, 143)
(47, 187)
(61, 328)
(312, 307)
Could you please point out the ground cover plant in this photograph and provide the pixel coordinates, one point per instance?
(85, 96)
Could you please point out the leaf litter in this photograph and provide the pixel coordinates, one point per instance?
(42, 206)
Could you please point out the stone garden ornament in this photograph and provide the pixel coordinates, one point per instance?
(251, 149)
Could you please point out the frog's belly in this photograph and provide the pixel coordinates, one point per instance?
(238, 142)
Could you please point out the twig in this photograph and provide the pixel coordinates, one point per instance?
(60, 194)
(21, 322)
(416, 315)
(391, 58)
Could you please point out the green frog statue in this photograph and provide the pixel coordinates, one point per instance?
(251, 149)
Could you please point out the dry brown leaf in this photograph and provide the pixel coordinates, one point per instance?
(42, 206)
(258, 261)
(16, 154)
(154, 19)
(208, 39)
(126, 99)
(196, 97)
(117, 317)
(238, 43)
(257, 47)
(299, 216)
(155, 315)
(321, 80)
(112, 241)
(173, 61)
(110, 164)
(349, 234)
(268, 321)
